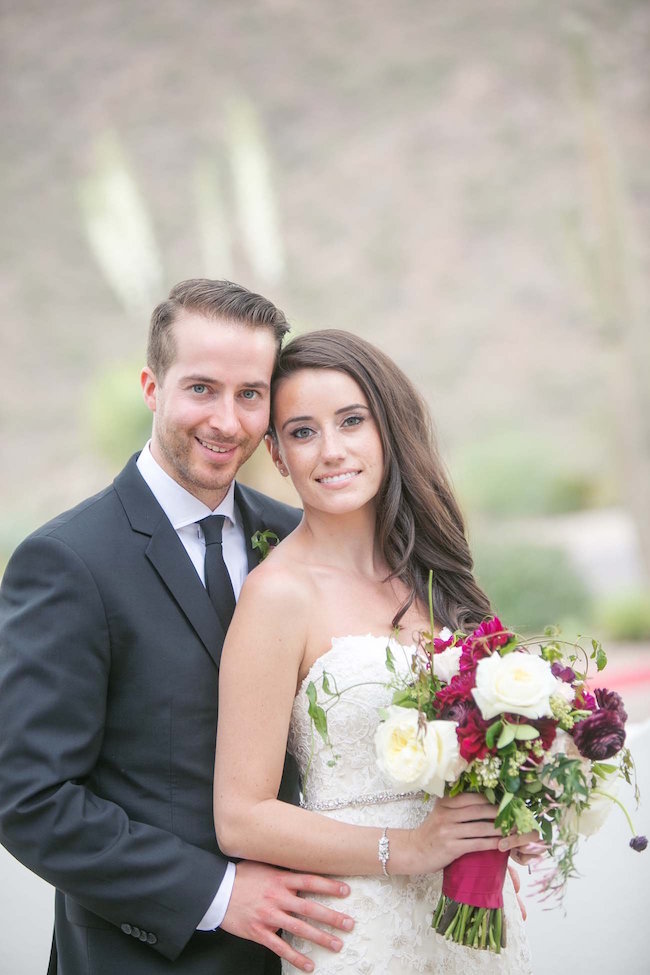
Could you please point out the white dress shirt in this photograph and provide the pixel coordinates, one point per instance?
(184, 511)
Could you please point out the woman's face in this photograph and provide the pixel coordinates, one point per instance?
(327, 440)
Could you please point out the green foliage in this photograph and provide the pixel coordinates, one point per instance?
(530, 584)
(626, 616)
(511, 475)
(264, 541)
(118, 421)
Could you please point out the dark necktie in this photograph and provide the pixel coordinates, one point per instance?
(217, 578)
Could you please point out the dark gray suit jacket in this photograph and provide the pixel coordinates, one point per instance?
(109, 659)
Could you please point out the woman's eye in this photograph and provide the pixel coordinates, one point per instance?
(301, 433)
(352, 421)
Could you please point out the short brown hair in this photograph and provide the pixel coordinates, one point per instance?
(214, 299)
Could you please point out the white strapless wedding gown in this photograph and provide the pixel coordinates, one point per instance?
(392, 934)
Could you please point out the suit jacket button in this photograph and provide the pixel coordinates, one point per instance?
(143, 936)
(135, 932)
(126, 928)
(152, 939)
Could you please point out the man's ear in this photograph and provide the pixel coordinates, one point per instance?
(149, 385)
(274, 449)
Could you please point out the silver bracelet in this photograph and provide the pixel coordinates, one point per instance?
(383, 851)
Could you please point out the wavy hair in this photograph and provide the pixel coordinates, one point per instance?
(419, 523)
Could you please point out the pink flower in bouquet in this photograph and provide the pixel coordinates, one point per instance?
(599, 736)
(584, 700)
(486, 638)
(610, 701)
(471, 736)
(444, 640)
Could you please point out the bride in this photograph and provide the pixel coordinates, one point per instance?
(354, 436)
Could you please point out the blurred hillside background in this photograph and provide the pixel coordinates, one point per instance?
(464, 183)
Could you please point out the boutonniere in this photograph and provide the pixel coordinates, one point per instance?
(264, 541)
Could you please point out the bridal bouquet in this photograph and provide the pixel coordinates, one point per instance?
(516, 721)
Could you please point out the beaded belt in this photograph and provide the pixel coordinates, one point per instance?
(329, 805)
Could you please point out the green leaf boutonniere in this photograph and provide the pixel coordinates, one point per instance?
(264, 541)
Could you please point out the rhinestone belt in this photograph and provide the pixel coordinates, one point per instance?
(329, 805)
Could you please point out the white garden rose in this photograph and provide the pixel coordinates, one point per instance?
(416, 760)
(519, 683)
(592, 816)
(446, 664)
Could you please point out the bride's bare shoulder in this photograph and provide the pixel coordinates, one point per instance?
(281, 580)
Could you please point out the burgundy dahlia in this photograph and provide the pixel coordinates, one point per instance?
(457, 691)
(600, 735)
(485, 639)
(610, 701)
(471, 736)
(547, 728)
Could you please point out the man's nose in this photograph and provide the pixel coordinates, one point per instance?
(224, 417)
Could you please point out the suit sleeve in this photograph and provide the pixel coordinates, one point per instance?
(55, 659)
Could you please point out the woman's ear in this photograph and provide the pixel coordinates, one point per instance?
(274, 449)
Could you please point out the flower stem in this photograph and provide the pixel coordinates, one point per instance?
(608, 795)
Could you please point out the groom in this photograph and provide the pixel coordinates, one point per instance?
(109, 661)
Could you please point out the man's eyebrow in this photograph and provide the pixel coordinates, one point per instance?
(210, 381)
(344, 409)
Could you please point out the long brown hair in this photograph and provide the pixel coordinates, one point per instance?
(419, 524)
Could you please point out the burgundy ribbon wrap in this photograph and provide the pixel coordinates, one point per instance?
(476, 878)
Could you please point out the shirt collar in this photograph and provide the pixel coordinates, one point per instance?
(181, 507)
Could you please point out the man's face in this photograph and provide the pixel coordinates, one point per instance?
(211, 409)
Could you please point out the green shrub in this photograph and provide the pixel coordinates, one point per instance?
(514, 475)
(626, 616)
(117, 419)
(531, 586)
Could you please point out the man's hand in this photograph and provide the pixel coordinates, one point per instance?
(265, 899)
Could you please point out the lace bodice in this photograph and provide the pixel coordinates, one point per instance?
(393, 934)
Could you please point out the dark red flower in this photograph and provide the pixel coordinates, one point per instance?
(610, 701)
(639, 843)
(471, 736)
(457, 691)
(600, 735)
(567, 674)
(440, 645)
(547, 728)
(485, 639)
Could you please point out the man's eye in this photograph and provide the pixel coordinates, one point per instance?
(250, 394)
(199, 388)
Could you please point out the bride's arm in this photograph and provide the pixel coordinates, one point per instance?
(258, 676)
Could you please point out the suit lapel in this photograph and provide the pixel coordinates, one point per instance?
(167, 555)
(172, 563)
(252, 521)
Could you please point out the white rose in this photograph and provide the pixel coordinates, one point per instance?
(417, 760)
(565, 691)
(592, 816)
(519, 683)
(446, 664)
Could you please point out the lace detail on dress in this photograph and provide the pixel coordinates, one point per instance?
(393, 934)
